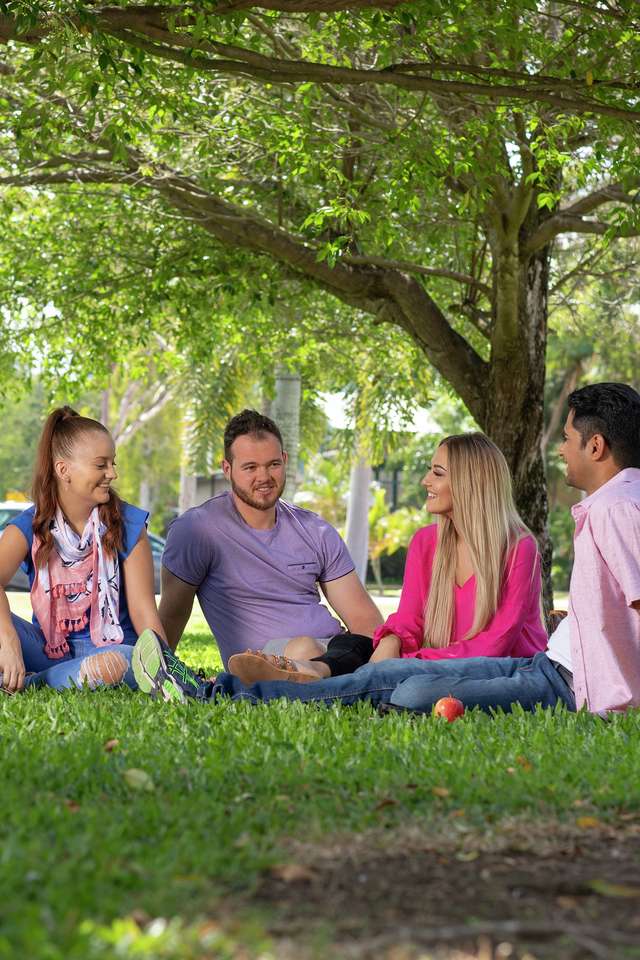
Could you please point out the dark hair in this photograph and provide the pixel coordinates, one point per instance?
(62, 430)
(613, 411)
(251, 423)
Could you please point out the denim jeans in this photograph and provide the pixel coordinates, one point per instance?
(485, 682)
(64, 672)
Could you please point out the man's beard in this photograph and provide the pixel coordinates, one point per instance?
(258, 504)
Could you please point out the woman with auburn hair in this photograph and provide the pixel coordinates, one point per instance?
(471, 587)
(89, 563)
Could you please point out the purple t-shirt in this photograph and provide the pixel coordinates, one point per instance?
(257, 585)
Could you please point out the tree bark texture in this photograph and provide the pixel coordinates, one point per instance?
(514, 410)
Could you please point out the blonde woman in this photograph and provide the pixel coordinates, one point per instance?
(472, 579)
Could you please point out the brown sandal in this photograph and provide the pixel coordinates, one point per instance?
(254, 665)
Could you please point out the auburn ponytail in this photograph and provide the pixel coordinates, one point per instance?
(62, 429)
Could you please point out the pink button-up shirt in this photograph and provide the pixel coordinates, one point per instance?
(515, 630)
(604, 628)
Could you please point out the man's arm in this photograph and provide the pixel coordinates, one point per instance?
(353, 604)
(176, 604)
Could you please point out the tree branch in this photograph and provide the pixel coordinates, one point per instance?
(144, 28)
(570, 219)
(580, 269)
(565, 223)
(612, 193)
(388, 293)
(69, 176)
(570, 379)
(533, 79)
(125, 406)
(243, 62)
(160, 399)
(408, 267)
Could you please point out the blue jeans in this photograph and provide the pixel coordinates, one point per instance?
(485, 682)
(65, 672)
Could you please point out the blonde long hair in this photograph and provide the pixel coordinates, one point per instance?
(485, 517)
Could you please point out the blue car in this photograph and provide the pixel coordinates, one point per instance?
(20, 581)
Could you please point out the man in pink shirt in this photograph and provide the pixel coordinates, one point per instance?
(601, 449)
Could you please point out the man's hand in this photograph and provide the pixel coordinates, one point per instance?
(387, 649)
(12, 667)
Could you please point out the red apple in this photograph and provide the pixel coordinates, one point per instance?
(449, 707)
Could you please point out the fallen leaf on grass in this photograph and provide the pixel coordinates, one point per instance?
(440, 792)
(606, 889)
(110, 745)
(524, 763)
(567, 903)
(588, 823)
(292, 873)
(467, 855)
(386, 802)
(242, 797)
(209, 931)
(138, 779)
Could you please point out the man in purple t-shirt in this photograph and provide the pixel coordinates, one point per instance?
(255, 562)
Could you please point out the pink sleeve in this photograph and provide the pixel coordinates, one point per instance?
(408, 622)
(616, 532)
(523, 582)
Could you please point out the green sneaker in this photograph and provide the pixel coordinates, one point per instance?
(158, 671)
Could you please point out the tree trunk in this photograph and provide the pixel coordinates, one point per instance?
(188, 484)
(514, 416)
(104, 407)
(357, 536)
(144, 496)
(376, 566)
(285, 410)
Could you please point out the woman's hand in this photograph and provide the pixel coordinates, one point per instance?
(12, 666)
(387, 649)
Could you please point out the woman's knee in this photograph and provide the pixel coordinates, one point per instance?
(103, 669)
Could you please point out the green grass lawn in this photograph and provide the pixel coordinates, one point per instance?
(129, 826)
(115, 805)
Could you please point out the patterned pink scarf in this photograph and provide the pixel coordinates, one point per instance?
(78, 580)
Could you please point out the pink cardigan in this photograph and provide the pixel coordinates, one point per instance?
(514, 631)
